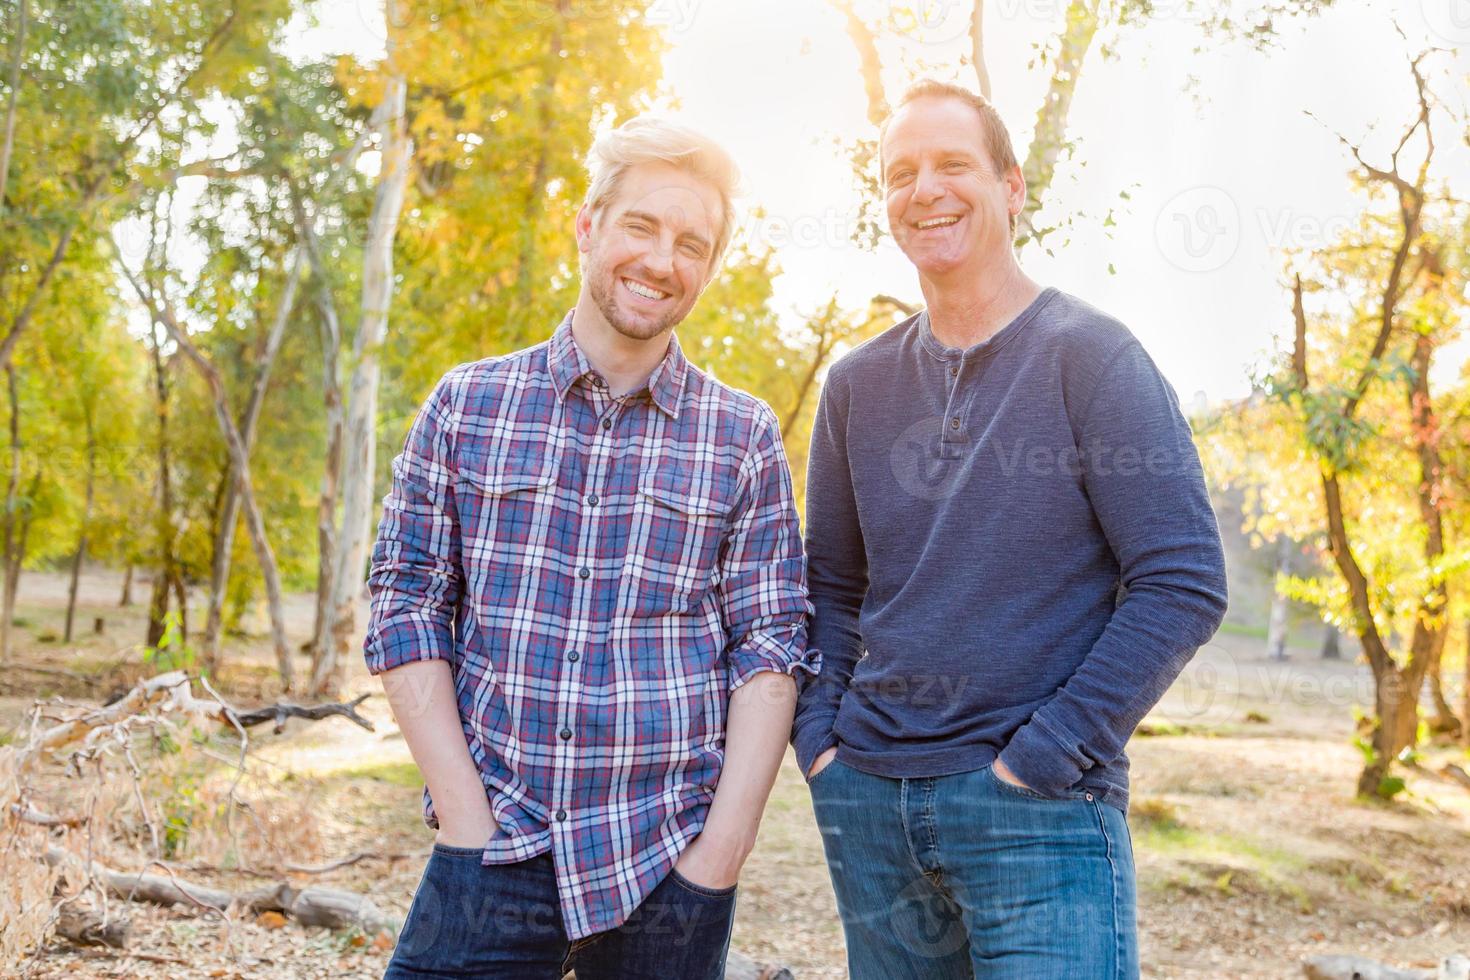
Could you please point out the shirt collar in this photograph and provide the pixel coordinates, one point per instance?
(566, 363)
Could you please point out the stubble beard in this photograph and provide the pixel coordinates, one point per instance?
(603, 284)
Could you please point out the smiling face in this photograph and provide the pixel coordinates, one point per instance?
(949, 207)
(650, 251)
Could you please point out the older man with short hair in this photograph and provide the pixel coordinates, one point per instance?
(1011, 554)
(588, 599)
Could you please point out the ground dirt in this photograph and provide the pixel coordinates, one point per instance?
(1252, 853)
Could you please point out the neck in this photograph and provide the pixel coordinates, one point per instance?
(968, 308)
(624, 362)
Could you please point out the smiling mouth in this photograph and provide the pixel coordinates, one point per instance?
(647, 292)
(944, 222)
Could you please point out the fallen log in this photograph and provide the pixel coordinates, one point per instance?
(1361, 968)
(278, 713)
(87, 928)
(330, 907)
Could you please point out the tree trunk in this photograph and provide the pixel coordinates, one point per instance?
(359, 434)
(224, 537)
(1397, 707)
(977, 47)
(158, 309)
(17, 55)
(1465, 693)
(1050, 132)
(81, 554)
(163, 573)
(1445, 722)
(12, 490)
(1331, 643)
(127, 587)
(1280, 604)
(869, 61)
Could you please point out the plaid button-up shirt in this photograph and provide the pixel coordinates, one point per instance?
(601, 572)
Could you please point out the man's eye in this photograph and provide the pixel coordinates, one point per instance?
(692, 250)
(638, 228)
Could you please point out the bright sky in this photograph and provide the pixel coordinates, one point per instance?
(1223, 170)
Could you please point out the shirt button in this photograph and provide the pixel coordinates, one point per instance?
(954, 423)
(566, 734)
(574, 656)
(592, 499)
(607, 423)
(561, 815)
(583, 572)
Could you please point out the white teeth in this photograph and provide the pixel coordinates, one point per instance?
(641, 290)
(938, 222)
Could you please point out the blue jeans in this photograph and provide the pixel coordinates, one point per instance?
(503, 922)
(970, 876)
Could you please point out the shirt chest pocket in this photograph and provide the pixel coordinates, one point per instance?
(506, 519)
(680, 519)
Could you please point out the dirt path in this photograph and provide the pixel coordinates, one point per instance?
(1252, 853)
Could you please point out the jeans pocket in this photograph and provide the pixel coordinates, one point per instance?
(1025, 792)
(701, 890)
(825, 769)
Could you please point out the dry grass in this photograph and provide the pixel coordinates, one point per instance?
(1252, 853)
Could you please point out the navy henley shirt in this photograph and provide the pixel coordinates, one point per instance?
(1011, 552)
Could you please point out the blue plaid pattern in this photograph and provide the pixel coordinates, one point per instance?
(601, 573)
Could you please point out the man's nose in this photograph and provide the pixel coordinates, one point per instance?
(927, 187)
(660, 255)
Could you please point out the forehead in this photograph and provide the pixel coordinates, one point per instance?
(672, 196)
(934, 124)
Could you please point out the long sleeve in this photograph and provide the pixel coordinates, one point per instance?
(416, 580)
(837, 573)
(762, 580)
(1143, 477)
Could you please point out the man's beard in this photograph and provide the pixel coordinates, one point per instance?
(603, 285)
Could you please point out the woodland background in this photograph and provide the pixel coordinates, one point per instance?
(230, 271)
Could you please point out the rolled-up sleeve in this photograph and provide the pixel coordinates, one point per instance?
(416, 579)
(762, 590)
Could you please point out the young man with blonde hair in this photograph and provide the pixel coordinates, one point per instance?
(1012, 554)
(588, 602)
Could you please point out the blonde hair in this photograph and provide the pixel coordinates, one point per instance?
(653, 139)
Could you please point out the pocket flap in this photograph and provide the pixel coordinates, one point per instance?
(689, 491)
(508, 474)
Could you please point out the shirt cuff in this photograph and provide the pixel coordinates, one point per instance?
(779, 651)
(1038, 759)
(404, 640)
(811, 739)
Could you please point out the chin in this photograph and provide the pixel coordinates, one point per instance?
(638, 327)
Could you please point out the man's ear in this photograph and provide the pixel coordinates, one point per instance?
(1015, 191)
(584, 229)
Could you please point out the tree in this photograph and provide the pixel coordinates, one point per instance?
(1355, 391)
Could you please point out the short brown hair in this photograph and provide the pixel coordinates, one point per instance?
(992, 128)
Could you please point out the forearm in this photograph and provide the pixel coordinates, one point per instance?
(756, 725)
(423, 700)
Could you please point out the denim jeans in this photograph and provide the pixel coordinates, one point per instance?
(503, 922)
(969, 876)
